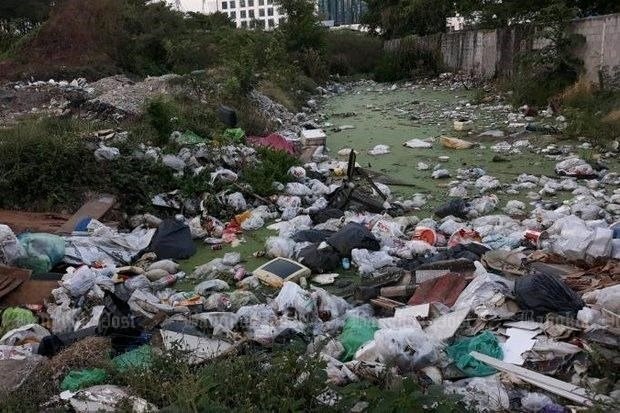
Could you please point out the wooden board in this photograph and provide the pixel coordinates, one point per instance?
(95, 208)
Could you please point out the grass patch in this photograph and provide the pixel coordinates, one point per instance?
(591, 112)
(407, 61)
(45, 165)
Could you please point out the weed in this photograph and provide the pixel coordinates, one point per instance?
(273, 167)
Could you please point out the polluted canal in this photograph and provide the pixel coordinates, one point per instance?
(429, 231)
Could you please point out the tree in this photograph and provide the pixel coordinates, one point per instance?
(397, 18)
(500, 13)
(23, 15)
(302, 28)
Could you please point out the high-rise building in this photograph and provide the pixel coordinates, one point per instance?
(245, 13)
(342, 11)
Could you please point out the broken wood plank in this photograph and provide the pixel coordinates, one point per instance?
(95, 209)
(559, 387)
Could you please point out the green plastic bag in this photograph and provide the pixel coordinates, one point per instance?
(140, 358)
(15, 317)
(43, 251)
(357, 331)
(80, 379)
(237, 135)
(485, 343)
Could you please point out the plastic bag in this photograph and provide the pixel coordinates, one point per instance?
(297, 171)
(106, 153)
(546, 293)
(173, 162)
(352, 236)
(329, 306)
(139, 358)
(10, 248)
(79, 281)
(356, 332)
(15, 317)
(408, 348)
(487, 183)
(231, 258)
(484, 394)
(209, 286)
(485, 343)
(279, 247)
(379, 150)
(454, 143)
(607, 298)
(293, 297)
(253, 223)
(295, 188)
(209, 269)
(369, 261)
(169, 266)
(42, 251)
(27, 333)
(482, 288)
(387, 232)
(237, 201)
(225, 175)
(79, 379)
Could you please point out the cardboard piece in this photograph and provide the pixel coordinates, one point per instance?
(446, 326)
(95, 209)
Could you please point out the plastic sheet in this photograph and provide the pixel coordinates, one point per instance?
(484, 343)
(279, 247)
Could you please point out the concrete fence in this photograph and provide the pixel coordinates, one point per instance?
(490, 53)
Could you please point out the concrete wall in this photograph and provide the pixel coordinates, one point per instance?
(489, 53)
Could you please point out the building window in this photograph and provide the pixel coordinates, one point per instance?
(243, 14)
(224, 5)
(241, 3)
(251, 14)
(261, 2)
(244, 24)
(270, 11)
(270, 22)
(261, 12)
(269, 1)
(280, 11)
(232, 4)
(250, 3)
(233, 15)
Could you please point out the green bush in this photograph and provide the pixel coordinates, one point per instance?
(44, 165)
(407, 61)
(595, 115)
(273, 167)
(349, 53)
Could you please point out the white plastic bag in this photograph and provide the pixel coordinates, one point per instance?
(369, 261)
(237, 201)
(173, 162)
(379, 150)
(253, 223)
(10, 248)
(408, 348)
(231, 258)
(224, 174)
(79, 281)
(387, 231)
(295, 188)
(279, 247)
(294, 298)
(297, 171)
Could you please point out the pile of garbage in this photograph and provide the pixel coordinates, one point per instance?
(500, 306)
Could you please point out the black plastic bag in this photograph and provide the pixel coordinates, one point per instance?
(546, 293)
(312, 235)
(353, 236)
(173, 240)
(456, 207)
(323, 215)
(319, 261)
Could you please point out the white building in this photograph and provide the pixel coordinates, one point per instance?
(245, 13)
